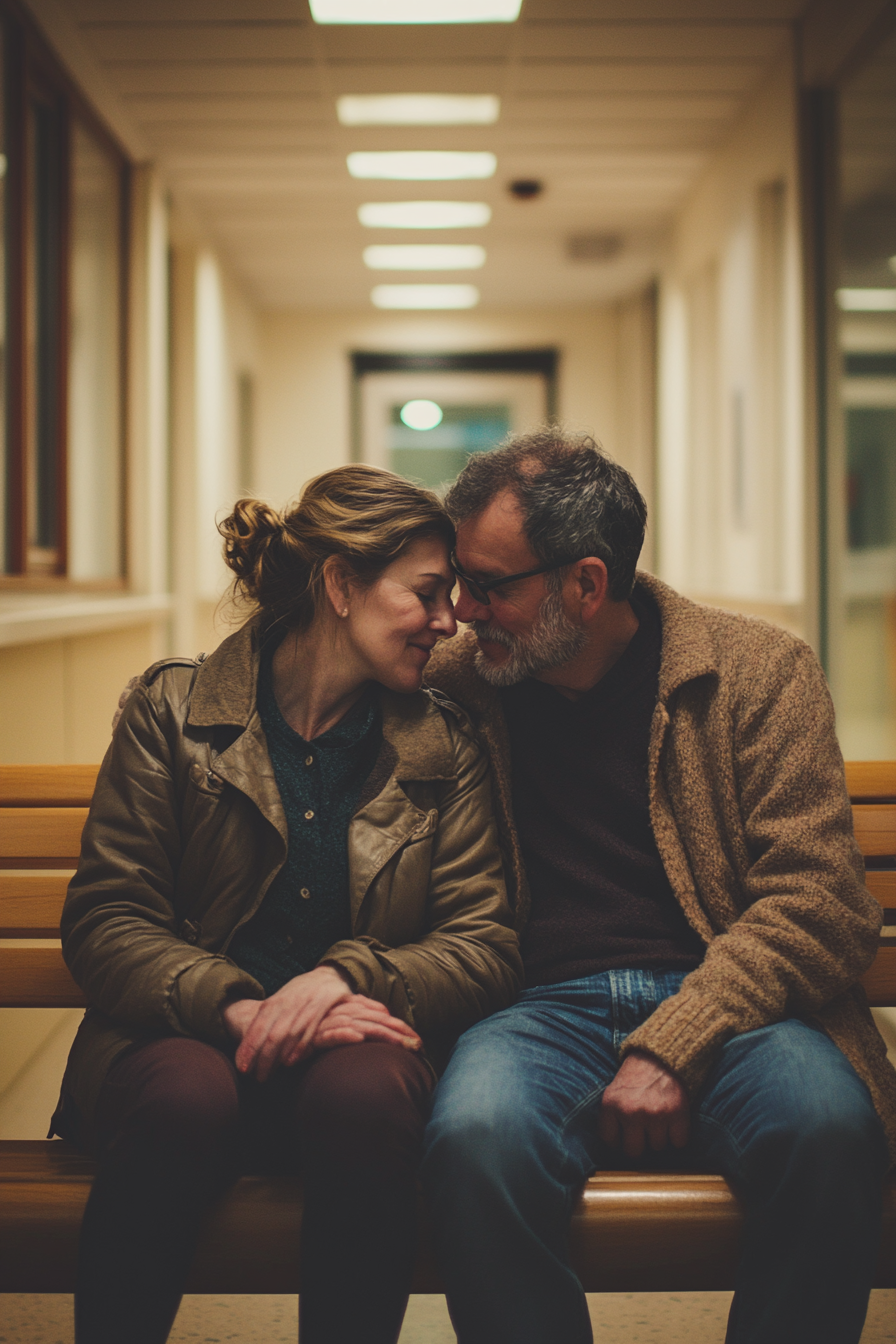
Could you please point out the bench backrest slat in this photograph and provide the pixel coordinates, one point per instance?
(871, 779)
(47, 785)
(875, 828)
(46, 837)
(42, 814)
(31, 903)
(37, 977)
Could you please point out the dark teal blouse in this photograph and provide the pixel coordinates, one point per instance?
(306, 908)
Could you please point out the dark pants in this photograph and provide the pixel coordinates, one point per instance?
(175, 1125)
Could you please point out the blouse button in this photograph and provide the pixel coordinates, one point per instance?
(309, 760)
(305, 894)
(308, 815)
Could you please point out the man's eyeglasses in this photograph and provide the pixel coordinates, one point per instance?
(479, 591)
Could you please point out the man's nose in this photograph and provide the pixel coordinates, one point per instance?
(467, 609)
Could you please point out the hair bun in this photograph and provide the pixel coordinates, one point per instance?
(248, 533)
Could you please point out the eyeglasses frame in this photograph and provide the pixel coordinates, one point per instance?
(480, 591)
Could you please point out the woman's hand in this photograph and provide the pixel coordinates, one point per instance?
(283, 1027)
(362, 1019)
(239, 1015)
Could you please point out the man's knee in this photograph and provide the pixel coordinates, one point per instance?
(494, 1140)
(824, 1147)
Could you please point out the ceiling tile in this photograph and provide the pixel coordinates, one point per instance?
(199, 42)
(650, 42)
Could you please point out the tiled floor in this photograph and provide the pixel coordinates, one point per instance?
(619, 1318)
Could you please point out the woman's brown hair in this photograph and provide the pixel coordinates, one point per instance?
(364, 516)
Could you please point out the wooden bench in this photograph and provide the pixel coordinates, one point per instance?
(632, 1231)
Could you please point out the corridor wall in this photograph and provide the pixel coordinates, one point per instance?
(732, 459)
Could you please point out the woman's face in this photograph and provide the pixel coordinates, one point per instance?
(394, 625)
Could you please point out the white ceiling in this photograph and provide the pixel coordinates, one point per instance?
(614, 104)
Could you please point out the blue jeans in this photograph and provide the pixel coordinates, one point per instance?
(513, 1135)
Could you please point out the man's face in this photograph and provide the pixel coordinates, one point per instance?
(523, 630)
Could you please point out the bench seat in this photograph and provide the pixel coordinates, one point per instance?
(631, 1231)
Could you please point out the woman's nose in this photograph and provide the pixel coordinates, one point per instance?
(444, 620)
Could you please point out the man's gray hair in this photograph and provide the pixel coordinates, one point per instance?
(576, 501)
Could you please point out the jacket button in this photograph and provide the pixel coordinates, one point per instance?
(305, 894)
(309, 815)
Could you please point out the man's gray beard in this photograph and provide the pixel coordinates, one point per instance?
(554, 640)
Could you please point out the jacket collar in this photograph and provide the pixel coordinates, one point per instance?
(688, 648)
(688, 652)
(224, 693)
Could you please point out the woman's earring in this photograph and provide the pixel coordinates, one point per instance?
(344, 612)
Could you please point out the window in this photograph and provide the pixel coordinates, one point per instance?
(61, 368)
(863, 606)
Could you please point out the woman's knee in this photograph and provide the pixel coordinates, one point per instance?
(365, 1099)
(173, 1091)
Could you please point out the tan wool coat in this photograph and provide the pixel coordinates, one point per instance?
(186, 832)
(752, 820)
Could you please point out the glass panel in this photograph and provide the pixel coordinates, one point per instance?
(434, 454)
(866, 684)
(44, 150)
(5, 558)
(94, 463)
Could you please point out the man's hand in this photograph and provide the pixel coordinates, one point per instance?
(362, 1019)
(282, 1028)
(644, 1102)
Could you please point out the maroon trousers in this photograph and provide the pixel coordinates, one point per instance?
(176, 1124)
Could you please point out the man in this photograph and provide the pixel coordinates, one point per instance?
(693, 917)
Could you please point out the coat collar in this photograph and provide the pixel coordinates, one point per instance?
(688, 648)
(688, 652)
(224, 693)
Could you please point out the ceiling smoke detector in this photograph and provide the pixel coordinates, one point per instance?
(593, 246)
(525, 188)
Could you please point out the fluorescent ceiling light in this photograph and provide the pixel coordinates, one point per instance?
(422, 165)
(425, 257)
(415, 11)
(867, 300)
(421, 414)
(418, 109)
(425, 296)
(424, 214)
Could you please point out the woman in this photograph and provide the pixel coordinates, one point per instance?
(288, 906)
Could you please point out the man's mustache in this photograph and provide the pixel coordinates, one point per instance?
(493, 634)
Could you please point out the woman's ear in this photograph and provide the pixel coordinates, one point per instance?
(337, 581)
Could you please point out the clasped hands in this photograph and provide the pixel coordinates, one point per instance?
(645, 1105)
(314, 1011)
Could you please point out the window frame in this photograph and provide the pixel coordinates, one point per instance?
(30, 69)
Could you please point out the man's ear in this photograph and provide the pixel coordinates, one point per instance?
(592, 586)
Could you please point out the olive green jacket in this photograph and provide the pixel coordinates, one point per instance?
(752, 820)
(186, 832)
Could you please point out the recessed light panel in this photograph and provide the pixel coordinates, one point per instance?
(424, 257)
(422, 165)
(424, 214)
(421, 414)
(425, 296)
(418, 109)
(415, 11)
(867, 300)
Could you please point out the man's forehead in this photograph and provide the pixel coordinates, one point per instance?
(494, 539)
